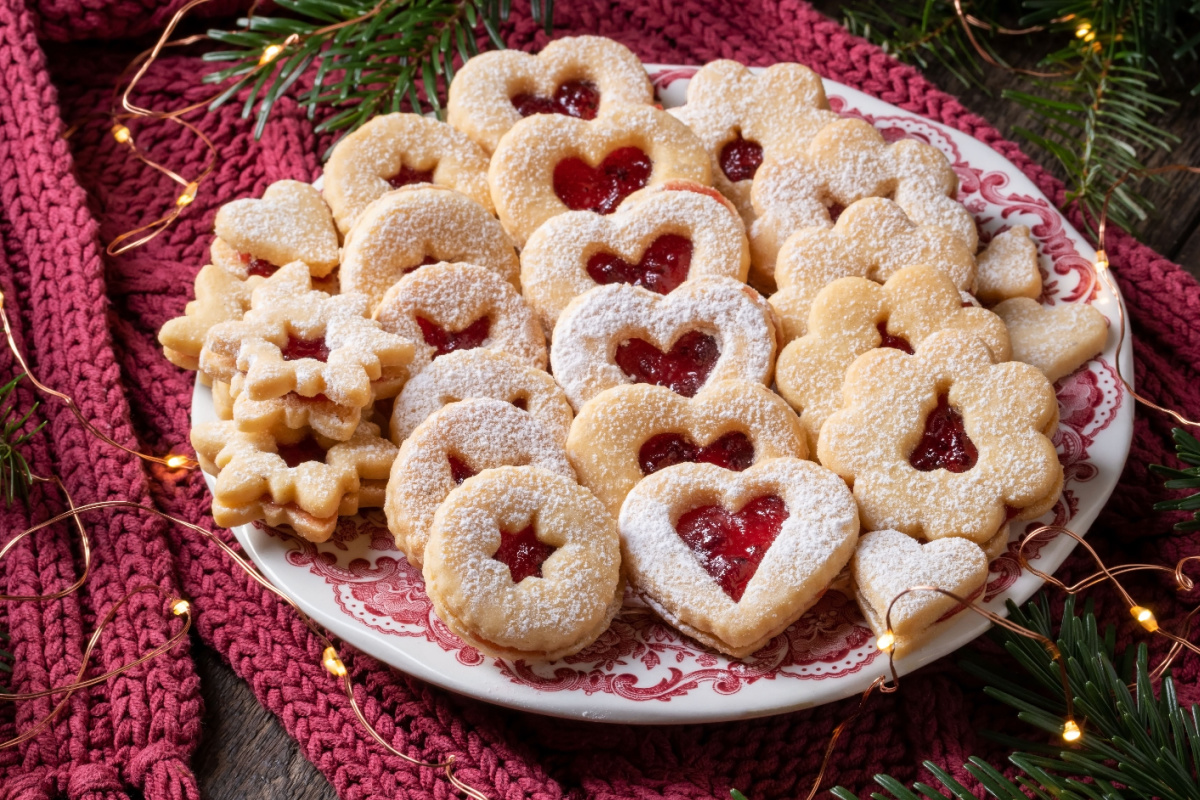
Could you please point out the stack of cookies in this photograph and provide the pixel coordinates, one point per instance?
(729, 356)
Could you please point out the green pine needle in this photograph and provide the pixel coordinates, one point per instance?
(1188, 451)
(15, 474)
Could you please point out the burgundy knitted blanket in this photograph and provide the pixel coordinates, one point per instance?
(87, 324)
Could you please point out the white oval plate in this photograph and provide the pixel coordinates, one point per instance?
(362, 590)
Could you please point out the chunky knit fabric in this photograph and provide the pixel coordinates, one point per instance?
(88, 324)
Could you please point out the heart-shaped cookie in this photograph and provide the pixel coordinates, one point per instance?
(396, 150)
(628, 432)
(577, 76)
(289, 223)
(657, 243)
(888, 562)
(549, 164)
(1008, 267)
(1056, 339)
(707, 330)
(733, 558)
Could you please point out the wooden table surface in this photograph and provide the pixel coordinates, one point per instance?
(245, 753)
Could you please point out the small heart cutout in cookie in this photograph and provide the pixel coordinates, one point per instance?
(445, 341)
(307, 449)
(944, 444)
(740, 159)
(407, 176)
(733, 451)
(523, 553)
(582, 187)
(579, 99)
(730, 546)
(663, 266)
(683, 369)
(460, 470)
(296, 349)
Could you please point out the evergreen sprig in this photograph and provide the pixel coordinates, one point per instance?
(1188, 451)
(371, 57)
(15, 474)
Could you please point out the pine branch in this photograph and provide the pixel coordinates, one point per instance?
(15, 474)
(1188, 451)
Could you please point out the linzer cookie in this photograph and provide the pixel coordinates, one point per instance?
(549, 164)
(414, 226)
(397, 150)
(220, 297)
(656, 242)
(628, 432)
(1056, 339)
(524, 563)
(733, 558)
(707, 330)
(1009, 267)
(741, 117)
(289, 223)
(845, 162)
(456, 442)
(854, 315)
(481, 373)
(872, 239)
(945, 442)
(576, 76)
(449, 307)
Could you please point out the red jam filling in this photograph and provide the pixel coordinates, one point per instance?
(521, 403)
(408, 176)
(257, 266)
(683, 369)
(740, 159)
(731, 546)
(664, 265)
(445, 341)
(835, 211)
(304, 450)
(733, 451)
(426, 261)
(459, 470)
(579, 99)
(601, 189)
(522, 553)
(895, 342)
(944, 444)
(296, 349)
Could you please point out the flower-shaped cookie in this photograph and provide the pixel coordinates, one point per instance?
(854, 315)
(449, 307)
(845, 162)
(549, 164)
(524, 563)
(741, 117)
(1008, 267)
(707, 330)
(1056, 339)
(945, 442)
(408, 228)
(305, 483)
(733, 558)
(629, 432)
(481, 373)
(396, 150)
(656, 242)
(220, 297)
(578, 76)
(289, 223)
(454, 443)
(873, 238)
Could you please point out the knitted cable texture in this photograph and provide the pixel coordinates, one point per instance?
(88, 325)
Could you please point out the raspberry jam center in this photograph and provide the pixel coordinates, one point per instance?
(445, 341)
(895, 342)
(944, 444)
(731, 546)
(579, 99)
(582, 187)
(683, 369)
(304, 450)
(257, 266)
(408, 176)
(664, 265)
(522, 553)
(733, 451)
(296, 349)
(460, 470)
(740, 159)
(426, 261)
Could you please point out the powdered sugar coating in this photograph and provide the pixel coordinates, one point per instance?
(609, 432)
(1009, 267)
(358, 170)
(1056, 339)
(814, 543)
(289, 223)
(480, 99)
(482, 434)
(597, 322)
(546, 618)
(554, 260)
(403, 227)
(1008, 410)
(452, 296)
(521, 174)
(873, 238)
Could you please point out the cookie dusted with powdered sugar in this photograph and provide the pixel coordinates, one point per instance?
(256, 236)
(1056, 339)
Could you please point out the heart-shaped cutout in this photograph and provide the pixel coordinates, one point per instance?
(523, 553)
(733, 451)
(601, 189)
(663, 266)
(579, 99)
(444, 341)
(1056, 339)
(944, 444)
(740, 159)
(683, 369)
(733, 558)
(289, 223)
(407, 176)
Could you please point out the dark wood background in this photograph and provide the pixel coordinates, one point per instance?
(245, 753)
